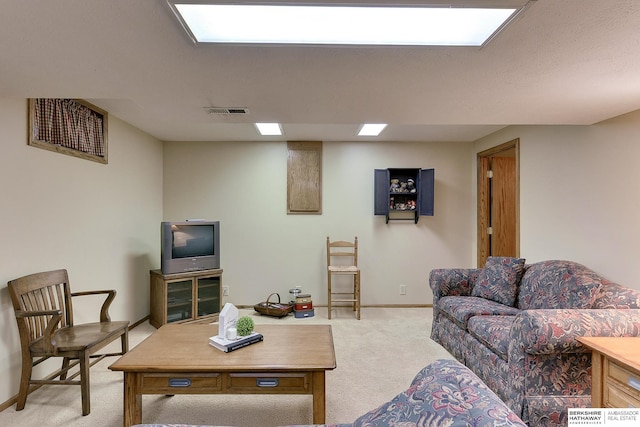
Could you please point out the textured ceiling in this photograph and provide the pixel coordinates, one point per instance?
(559, 62)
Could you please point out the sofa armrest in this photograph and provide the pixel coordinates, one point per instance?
(452, 281)
(555, 331)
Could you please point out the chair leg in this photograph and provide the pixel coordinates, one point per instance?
(329, 299)
(355, 288)
(124, 340)
(358, 295)
(84, 382)
(25, 378)
(65, 366)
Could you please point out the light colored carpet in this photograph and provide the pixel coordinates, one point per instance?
(377, 357)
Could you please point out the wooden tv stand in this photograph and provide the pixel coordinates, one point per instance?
(194, 296)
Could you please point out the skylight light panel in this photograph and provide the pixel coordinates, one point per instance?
(340, 24)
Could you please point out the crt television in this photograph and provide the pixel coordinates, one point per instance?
(189, 246)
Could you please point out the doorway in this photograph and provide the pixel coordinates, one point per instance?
(499, 201)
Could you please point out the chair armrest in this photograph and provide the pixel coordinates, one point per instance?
(47, 335)
(104, 311)
(452, 281)
(555, 331)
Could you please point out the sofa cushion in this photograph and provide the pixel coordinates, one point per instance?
(558, 284)
(499, 280)
(493, 332)
(460, 309)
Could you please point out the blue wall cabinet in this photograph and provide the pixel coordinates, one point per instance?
(403, 193)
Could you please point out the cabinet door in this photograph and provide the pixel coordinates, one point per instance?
(425, 187)
(179, 300)
(208, 295)
(381, 191)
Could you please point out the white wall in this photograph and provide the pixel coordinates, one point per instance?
(98, 221)
(579, 194)
(265, 250)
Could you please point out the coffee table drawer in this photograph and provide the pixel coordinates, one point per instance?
(177, 384)
(268, 383)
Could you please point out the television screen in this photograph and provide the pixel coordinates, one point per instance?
(189, 246)
(192, 241)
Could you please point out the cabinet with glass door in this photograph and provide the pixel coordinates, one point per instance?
(185, 297)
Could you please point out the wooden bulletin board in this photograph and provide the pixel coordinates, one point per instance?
(304, 177)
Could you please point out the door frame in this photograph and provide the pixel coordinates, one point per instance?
(484, 201)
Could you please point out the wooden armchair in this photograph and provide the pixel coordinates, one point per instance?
(42, 303)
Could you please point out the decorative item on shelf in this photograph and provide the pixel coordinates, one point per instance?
(293, 293)
(274, 309)
(303, 306)
(411, 185)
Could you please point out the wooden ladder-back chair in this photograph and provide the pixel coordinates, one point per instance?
(342, 259)
(42, 303)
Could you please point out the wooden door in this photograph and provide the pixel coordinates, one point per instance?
(498, 196)
(503, 206)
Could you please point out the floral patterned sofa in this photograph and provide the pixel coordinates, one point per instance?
(444, 393)
(515, 325)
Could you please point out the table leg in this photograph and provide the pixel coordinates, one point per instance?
(597, 380)
(319, 403)
(132, 400)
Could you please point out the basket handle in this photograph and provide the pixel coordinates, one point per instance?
(269, 298)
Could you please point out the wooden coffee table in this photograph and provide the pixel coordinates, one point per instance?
(177, 359)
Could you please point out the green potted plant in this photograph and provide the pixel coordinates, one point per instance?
(244, 326)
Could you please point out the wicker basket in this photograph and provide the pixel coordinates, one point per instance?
(272, 308)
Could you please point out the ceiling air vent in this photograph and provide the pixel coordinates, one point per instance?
(224, 111)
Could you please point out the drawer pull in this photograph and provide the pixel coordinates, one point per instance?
(267, 382)
(634, 382)
(179, 382)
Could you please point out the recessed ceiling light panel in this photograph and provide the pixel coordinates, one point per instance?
(372, 129)
(340, 24)
(269, 129)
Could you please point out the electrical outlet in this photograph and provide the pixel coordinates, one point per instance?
(225, 290)
(403, 289)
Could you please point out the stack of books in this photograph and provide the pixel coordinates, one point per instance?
(303, 306)
(228, 345)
